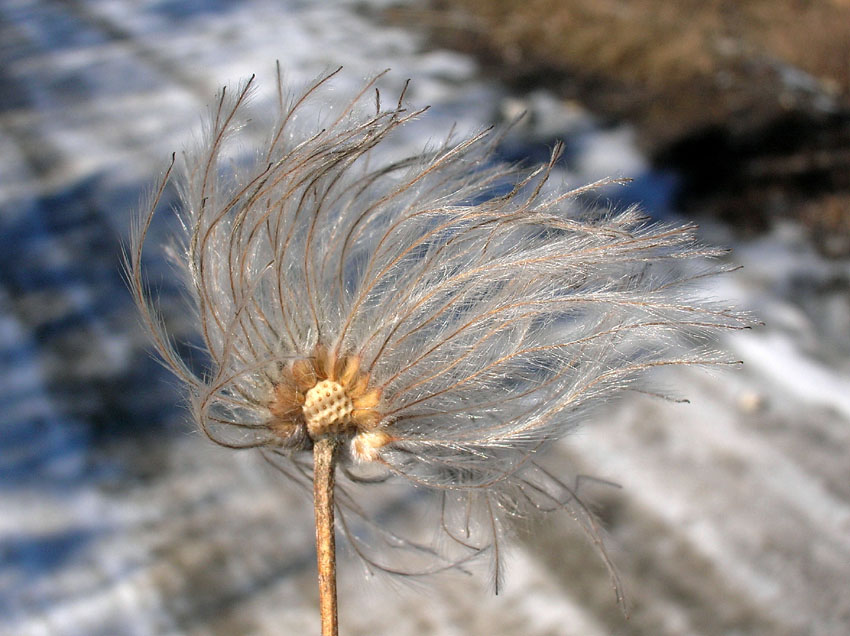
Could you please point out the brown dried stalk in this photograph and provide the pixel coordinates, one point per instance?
(324, 479)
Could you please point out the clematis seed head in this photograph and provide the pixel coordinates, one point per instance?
(443, 317)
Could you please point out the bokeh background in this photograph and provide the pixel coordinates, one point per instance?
(733, 511)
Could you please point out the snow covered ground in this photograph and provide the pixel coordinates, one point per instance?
(116, 518)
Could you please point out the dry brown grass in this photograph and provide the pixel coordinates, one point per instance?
(656, 41)
(705, 82)
(670, 66)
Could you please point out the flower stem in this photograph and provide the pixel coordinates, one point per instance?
(324, 469)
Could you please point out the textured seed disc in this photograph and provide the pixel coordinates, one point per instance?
(327, 408)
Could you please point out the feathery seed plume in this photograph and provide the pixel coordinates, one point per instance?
(436, 318)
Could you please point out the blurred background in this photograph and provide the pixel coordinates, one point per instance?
(733, 512)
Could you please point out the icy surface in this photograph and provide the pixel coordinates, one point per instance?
(116, 518)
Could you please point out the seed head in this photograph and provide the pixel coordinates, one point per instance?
(445, 317)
